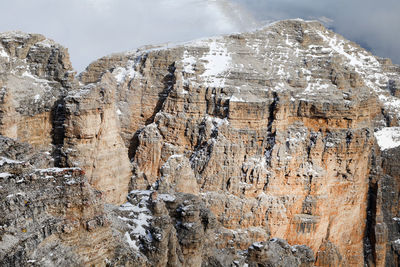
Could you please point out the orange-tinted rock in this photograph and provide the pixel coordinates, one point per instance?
(273, 130)
(35, 74)
(92, 140)
(278, 139)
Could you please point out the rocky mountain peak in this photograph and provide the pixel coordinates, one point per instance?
(206, 153)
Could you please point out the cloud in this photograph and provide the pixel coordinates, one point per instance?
(94, 28)
(373, 24)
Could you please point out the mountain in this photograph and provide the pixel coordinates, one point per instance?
(276, 147)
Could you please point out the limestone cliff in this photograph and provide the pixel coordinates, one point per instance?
(92, 139)
(288, 132)
(35, 74)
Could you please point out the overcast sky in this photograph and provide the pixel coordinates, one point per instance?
(94, 28)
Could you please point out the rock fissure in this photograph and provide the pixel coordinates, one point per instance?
(169, 82)
(369, 242)
(270, 132)
(58, 130)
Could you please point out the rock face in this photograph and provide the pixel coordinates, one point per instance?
(278, 252)
(287, 132)
(383, 225)
(92, 140)
(49, 216)
(35, 74)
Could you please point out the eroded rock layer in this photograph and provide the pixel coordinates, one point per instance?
(288, 132)
(93, 142)
(35, 74)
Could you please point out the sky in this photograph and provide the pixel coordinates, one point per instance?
(91, 29)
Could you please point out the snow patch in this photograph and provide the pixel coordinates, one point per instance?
(390, 102)
(57, 170)
(3, 53)
(175, 156)
(36, 98)
(236, 99)
(311, 169)
(217, 122)
(217, 63)
(166, 197)
(70, 182)
(388, 137)
(46, 43)
(80, 92)
(4, 160)
(5, 175)
(132, 243)
(31, 76)
(137, 217)
(296, 137)
(140, 220)
(188, 62)
(16, 195)
(257, 245)
(141, 192)
(121, 74)
(338, 46)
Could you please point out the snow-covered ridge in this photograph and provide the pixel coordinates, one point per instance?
(14, 35)
(366, 65)
(46, 43)
(274, 54)
(216, 61)
(199, 42)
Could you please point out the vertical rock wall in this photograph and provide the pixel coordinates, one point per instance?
(92, 140)
(35, 74)
(246, 137)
